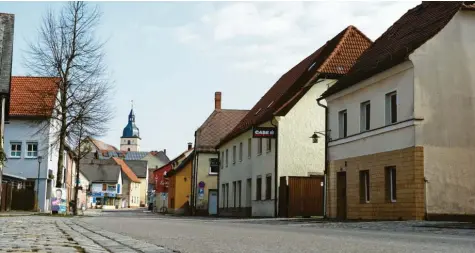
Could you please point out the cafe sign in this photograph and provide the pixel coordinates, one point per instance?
(264, 132)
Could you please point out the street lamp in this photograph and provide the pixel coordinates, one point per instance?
(38, 185)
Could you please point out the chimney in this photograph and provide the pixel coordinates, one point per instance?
(217, 100)
(165, 151)
(190, 145)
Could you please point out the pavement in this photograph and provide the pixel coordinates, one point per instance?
(141, 231)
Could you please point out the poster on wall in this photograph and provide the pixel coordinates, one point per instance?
(58, 201)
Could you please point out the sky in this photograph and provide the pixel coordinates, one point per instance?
(171, 57)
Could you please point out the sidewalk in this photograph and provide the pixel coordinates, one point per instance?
(16, 213)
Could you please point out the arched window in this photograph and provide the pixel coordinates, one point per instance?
(128, 142)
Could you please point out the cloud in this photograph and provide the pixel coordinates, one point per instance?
(272, 37)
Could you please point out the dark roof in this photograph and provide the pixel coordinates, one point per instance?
(182, 165)
(394, 46)
(138, 167)
(6, 51)
(131, 130)
(162, 156)
(216, 127)
(331, 60)
(100, 173)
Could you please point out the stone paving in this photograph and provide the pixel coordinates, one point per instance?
(57, 234)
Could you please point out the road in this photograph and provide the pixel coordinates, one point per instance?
(206, 235)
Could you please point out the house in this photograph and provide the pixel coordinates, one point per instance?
(106, 187)
(6, 54)
(272, 140)
(140, 169)
(401, 121)
(161, 182)
(179, 186)
(131, 185)
(206, 161)
(29, 144)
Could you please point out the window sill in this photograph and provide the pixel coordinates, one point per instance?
(31, 157)
(212, 174)
(14, 157)
(268, 151)
(259, 154)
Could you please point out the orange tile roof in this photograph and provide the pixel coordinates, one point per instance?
(33, 96)
(127, 170)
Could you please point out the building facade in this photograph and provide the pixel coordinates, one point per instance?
(400, 139)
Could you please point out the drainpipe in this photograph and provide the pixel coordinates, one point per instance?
(276, 170)
(325, 180)
(194, 178)
(219, 172)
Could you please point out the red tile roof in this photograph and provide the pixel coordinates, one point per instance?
(333, 59)
(127, 170)
(216, 127)
(102, 146)
(33, 96)
(394, 46)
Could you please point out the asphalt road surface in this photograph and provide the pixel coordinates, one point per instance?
(205, 235)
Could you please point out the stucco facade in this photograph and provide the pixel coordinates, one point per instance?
(179, 190)
(297, 156)
(204, 175)
(433, 113)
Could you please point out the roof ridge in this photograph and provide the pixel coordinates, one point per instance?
(335, 50)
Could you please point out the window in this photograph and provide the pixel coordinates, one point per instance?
(343, 126)
(128, 142)
(249, 148)
(32, 149)
(234, 154)
(223, 186)
(239, 192)
(365, 116)
(212, 168)
(268, 186)
(240, 152)
(391, 184)
(227, 195)
(104, 187)
(15, 149)
(258, 187)
(391, 108)
(234, 193)
(268, 144)
(222, 160)
(128, 149)
(259, 146)
(227, 156)
(364, 186)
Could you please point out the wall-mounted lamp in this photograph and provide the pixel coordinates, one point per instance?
(315, 136)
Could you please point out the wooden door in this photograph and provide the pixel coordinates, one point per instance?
(341, 195)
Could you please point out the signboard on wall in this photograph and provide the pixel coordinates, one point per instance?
(264, 132)
(58, 200)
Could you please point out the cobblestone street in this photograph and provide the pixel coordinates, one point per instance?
(57, 234)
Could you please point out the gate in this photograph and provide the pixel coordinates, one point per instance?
(302, 196)
(23, 199)
(6, 197)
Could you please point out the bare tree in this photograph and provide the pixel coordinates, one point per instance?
(67, 48)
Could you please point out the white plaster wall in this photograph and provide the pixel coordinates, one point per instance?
(400, 135)
(25, 131)
(297, 154)
(134, 144)
(445, 91)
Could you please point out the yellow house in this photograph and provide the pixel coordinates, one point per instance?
(179, 188)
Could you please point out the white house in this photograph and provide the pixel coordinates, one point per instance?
(105, 184)
(402, 121)
(251, 167)
(32, 99)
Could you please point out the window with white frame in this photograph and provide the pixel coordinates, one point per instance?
(249, 148)
(365, 118)
(391, 108)
(240, 152)
(259, 146)
(391, 184)
(268, 145)
(15, 149)
(343, 124)
(32, 149)
(234, 154)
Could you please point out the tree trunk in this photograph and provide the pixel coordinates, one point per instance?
(62, 140)
(76, 189)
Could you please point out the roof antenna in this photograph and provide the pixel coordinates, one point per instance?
(132, 104)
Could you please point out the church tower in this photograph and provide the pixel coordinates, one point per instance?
(130, 140)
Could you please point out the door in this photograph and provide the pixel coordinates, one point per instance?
(213, 202)
(341, 195)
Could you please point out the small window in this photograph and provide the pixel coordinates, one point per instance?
(268, 186)
(391, 108)
(15, 150)
(268, 144)
(32, 149)
(234, 194)
(213, 170)
(364, 186)
(239, 192)
(258, 187)
(128, 142)
(365, 119)
(249, 148)
(234, 154)
(240, 152)
(128, 149)
(391, 184)
(104, 187)
(343, 126)
(227, 156)
(259, 146)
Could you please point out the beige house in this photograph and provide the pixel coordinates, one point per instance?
(253, 163)
(140, 169)
(401, 121)
(206, 161)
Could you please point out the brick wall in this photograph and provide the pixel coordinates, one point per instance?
(409, 205)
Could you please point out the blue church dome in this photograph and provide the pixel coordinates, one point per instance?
(131, 130)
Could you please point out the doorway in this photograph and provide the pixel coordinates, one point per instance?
(213, 202)
(341, 195)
